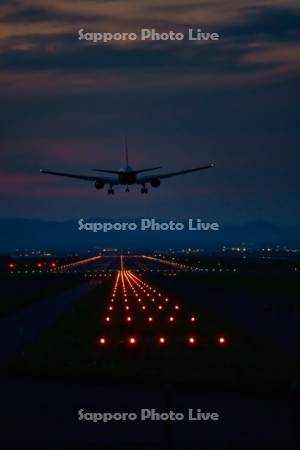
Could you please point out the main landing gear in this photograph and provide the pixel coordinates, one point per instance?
(127, 189)
(144, 190)
(111, 191)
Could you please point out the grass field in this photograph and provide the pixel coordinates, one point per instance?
(22, 291)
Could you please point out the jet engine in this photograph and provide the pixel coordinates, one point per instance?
(99, 184)
(155, 182)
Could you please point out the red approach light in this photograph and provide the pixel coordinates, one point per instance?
(128, 319)
(171, 319)
(53, 264)
(102, 341)
(132, 341)
(222, 340)
(162, 340)
(110, 308)
(11, 266)
(176, 307)
(193, 319)
(107, 319)
(150, 319)
(39, 265)
(192, 340)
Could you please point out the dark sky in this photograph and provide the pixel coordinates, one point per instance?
(66, 105)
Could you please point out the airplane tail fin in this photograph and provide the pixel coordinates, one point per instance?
(126, 152)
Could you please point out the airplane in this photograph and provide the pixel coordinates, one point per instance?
(127, 176)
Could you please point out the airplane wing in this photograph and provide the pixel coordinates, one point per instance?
(107, 180)
(172, 174)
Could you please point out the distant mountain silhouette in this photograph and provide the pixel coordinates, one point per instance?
(64, 236)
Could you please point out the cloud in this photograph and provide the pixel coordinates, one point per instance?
(48, 53)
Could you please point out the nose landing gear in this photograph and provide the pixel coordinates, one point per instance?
(127, 189)
(111, 191)
(144, 190)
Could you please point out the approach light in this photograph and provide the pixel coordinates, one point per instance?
(171, 319)
(128, 319)
(162, 340)
(176, 307)
(132, 341)
(222, 340)
(102, 341)
(150, 319)
(193, 319)
(107, 319)
(192, 340)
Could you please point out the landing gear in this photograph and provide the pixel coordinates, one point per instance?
(127, 189)
(111, 191)
(144, 190)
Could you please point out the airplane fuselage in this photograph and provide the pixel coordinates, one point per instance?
(127, 176)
